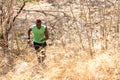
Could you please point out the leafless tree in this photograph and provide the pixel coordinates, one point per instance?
(7, 18)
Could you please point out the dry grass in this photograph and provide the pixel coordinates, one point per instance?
(62, 65)
(84, 43)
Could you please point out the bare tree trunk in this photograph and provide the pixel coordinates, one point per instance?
(118, 25)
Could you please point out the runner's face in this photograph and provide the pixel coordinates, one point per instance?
(38, 25)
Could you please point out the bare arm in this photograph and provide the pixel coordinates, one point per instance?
(29, 31)
(46, 35)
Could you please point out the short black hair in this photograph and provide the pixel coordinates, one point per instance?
(38, 21)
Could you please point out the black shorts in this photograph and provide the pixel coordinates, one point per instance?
(38, 45)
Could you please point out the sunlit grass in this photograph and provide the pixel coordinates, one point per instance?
(66, 66)
(79, 50)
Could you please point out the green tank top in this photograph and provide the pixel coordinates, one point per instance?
(38, 34)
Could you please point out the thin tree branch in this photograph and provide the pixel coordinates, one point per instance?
(16, 16)
(19, 11)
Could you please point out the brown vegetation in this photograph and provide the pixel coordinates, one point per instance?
(84, 40)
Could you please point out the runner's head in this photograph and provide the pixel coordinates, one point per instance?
(38, 23)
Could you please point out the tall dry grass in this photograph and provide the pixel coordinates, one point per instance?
(83, 45)
(62, 64)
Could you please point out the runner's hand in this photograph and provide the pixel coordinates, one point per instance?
(28, 41)
(43, 39)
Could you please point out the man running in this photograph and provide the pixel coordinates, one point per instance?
(40, 35)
